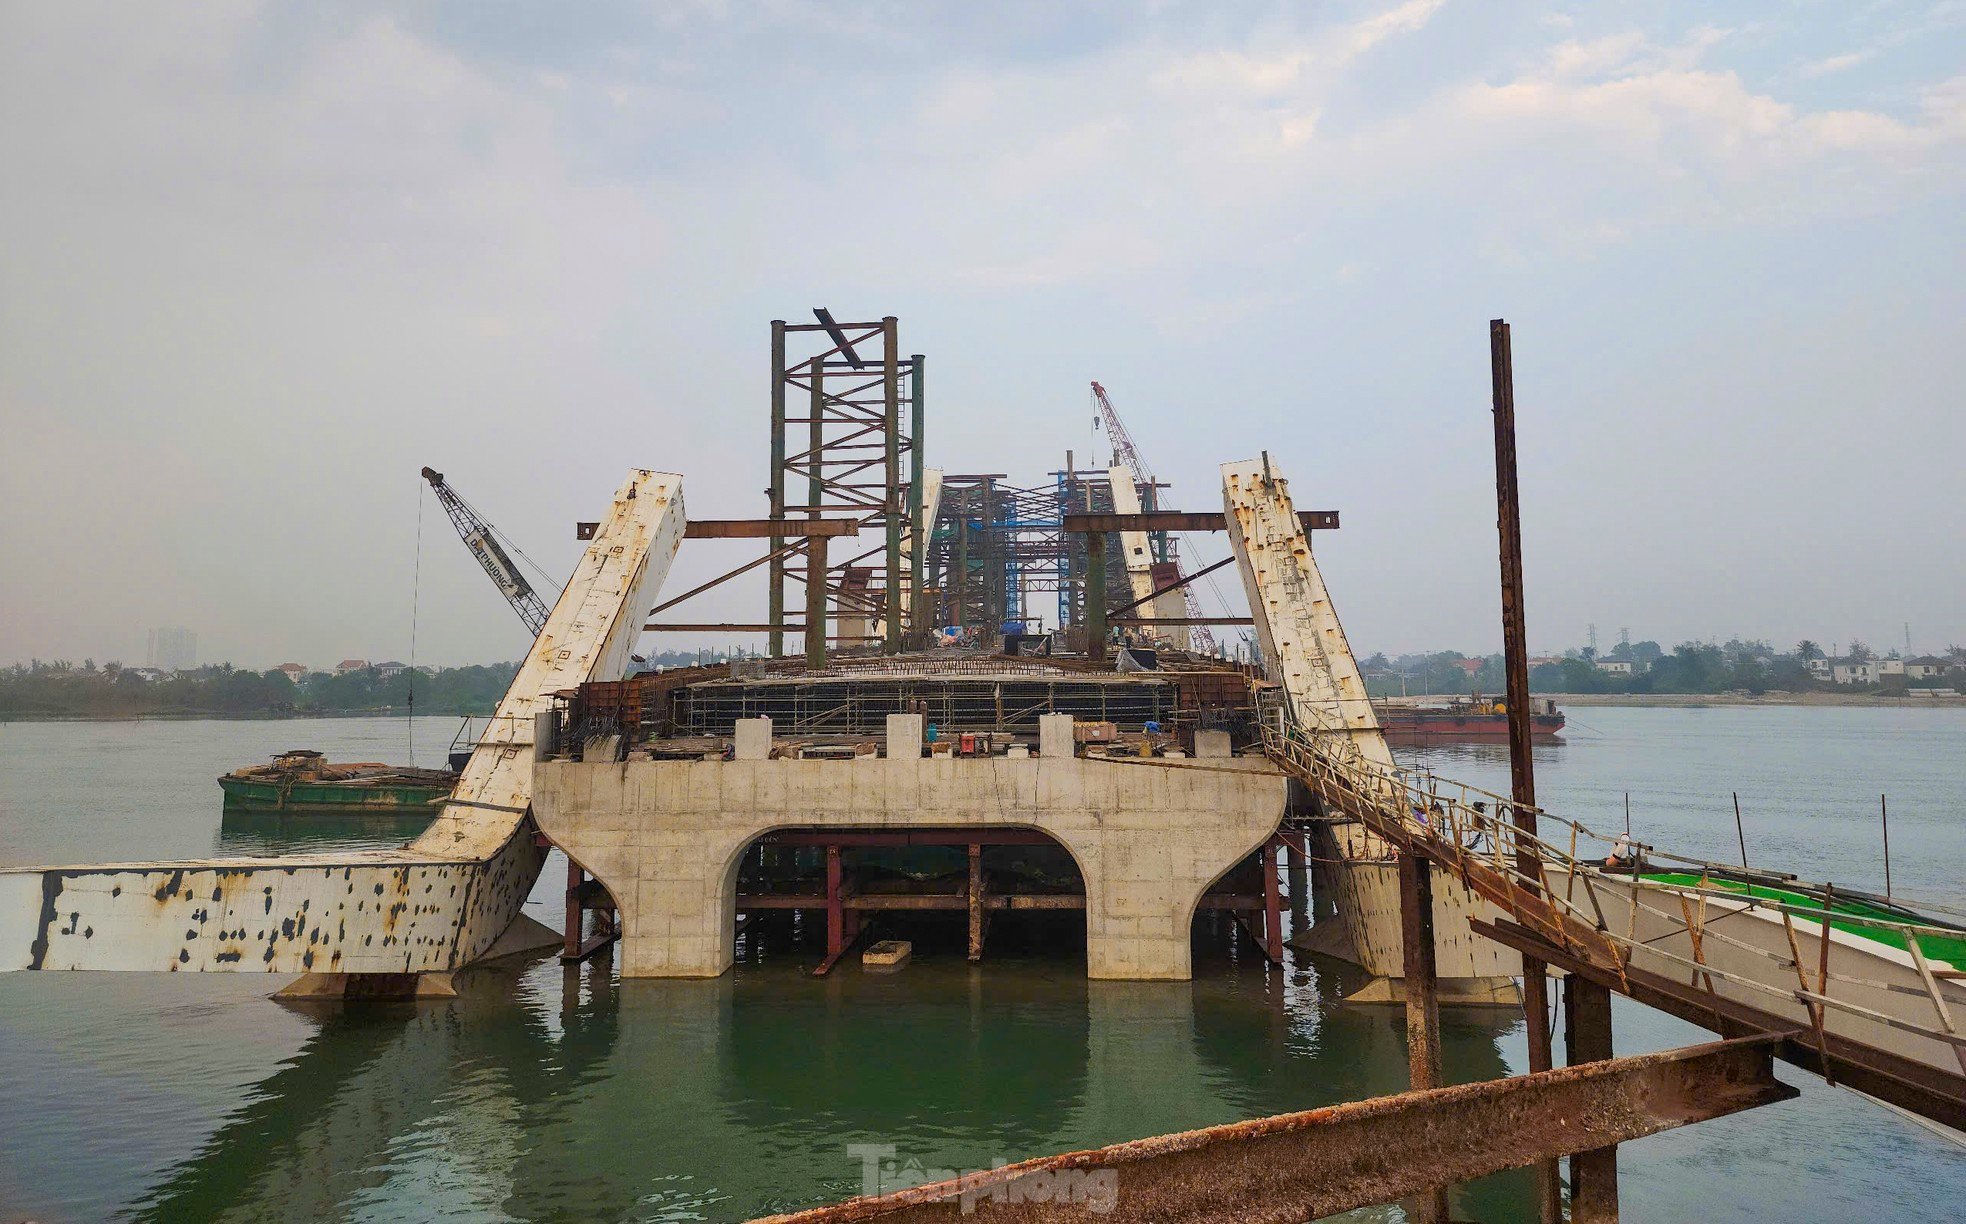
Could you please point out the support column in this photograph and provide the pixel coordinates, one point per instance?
(816, 603)
(961, 585)
(1587, 1038)
(1522, 770)
(836, 937)
(978, 917)
(1421, 988)
(891, 388)
(991, 542)
(1095, 596)
(1272, 903)
(918, 616)
(776, 613)
(570, 950)
(1296, 871)
(816, 545)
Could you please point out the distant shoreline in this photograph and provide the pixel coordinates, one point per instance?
(26, 716)
(1683, 700)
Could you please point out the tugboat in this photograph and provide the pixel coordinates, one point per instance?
(1472, 718)
(302, 780)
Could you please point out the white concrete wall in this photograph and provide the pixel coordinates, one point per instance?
(665, 837)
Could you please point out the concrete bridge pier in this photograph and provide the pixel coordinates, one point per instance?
(665, 837)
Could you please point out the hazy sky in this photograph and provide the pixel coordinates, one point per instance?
(263, 262)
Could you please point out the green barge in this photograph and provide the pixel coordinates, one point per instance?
(303, 781)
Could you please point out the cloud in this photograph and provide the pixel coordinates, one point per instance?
(1273, 72)
(1837, 63)
(294, 259)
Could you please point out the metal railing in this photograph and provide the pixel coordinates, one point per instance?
(1474, 834)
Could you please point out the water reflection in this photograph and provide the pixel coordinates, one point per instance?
(545, 1092)
(253, 833)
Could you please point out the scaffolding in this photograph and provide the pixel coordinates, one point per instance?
(859, 457)
(996, 549)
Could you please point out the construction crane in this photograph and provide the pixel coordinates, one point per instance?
(478, 537)
(1127, 456)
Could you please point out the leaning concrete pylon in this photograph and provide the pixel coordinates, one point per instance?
(434, 905)
(1305, 651)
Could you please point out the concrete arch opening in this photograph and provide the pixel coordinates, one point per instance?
(822, 892)
(1241, 912)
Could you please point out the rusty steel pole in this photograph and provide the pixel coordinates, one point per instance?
(891, 389)
(1522, 769)
(918, 610)
(816, 603)
(776, 614)
(1586, 1039)
(1095, 596)
(1420, 984)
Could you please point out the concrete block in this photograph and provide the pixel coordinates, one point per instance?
(1213, 745)
(1018, 752)
(753, 739)
(886, 956)
(904, 737)
(1055, 735)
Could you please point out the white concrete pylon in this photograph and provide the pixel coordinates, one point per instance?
(1136, 547)
(1303, 644)
(1305, 650)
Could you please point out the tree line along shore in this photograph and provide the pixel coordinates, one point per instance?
(1693, 673)
(1642, 671)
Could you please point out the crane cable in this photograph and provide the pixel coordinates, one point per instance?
(416, 598)
(506, 540)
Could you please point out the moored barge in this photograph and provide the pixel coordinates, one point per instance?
(302, 780)
(1474, 719)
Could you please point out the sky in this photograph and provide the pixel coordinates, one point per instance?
(263, 262)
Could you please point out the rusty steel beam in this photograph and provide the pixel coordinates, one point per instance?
(1179, 620)
(1294, 1167)
(1180, 520)
(778, 553)
(1178, 584)
(721, 627)
(838, 336)
(750, 529)
(760, 529)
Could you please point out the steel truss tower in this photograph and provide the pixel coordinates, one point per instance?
(846, 443)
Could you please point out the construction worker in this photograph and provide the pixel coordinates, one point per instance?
(1623, 856)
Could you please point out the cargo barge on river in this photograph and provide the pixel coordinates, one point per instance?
(1474, 719)
(305, 781)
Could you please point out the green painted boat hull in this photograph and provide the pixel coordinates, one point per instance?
(393, 799)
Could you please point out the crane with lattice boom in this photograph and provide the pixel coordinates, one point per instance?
(477, 536)
(1127, 456)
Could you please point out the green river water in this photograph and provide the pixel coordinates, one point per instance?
(544, 1093)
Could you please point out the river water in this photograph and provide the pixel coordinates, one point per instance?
(543, 1093)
